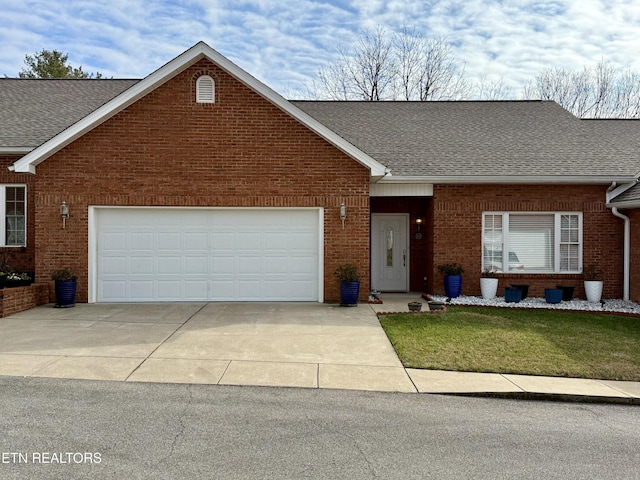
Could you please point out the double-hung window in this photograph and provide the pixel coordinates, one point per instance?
(549, 242)
(13, 208)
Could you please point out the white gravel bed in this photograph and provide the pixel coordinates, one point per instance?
(608, 305)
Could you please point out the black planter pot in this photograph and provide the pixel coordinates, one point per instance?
(65, 293)
(567, 292)
(349, 293)
(523, 287)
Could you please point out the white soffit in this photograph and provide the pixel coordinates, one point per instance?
(201, 50)
(401, 190)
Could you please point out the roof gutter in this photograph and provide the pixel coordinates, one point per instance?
(15, 150)
(627, 242)
(506, 179)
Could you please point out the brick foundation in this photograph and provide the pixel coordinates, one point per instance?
(19, 299)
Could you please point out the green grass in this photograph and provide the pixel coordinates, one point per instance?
(535, 342)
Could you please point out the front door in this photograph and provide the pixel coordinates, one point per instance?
(389, 252)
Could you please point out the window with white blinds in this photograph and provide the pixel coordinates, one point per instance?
(532, 242)
(13, 207)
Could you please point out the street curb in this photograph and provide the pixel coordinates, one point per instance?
(553, 397)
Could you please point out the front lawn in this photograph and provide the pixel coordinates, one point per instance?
(535, 342)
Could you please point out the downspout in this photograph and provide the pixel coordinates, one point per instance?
(627, 241)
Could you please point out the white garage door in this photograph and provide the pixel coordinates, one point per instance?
(195, 254)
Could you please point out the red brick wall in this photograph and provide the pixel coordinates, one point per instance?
(457, 230)
(634, 274)
(21, 259)
(167, 150)
(19, 299)
(419, 248)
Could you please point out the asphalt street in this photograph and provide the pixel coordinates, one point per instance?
(71, 429)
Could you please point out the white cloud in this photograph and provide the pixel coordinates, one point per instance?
(284, 42)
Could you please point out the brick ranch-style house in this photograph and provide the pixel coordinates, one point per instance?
(199, 183)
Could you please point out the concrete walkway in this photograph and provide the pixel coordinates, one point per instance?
(305, 345)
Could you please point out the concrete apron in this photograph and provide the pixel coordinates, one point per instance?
(271, 344)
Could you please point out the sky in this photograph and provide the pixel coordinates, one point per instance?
(284, 43)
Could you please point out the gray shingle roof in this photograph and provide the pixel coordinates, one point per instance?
(34, 110)
(631, 196)
(415, 139)
(512, 138)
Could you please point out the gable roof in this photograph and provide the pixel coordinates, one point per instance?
(34, 110)
(199, 51)
(485, 141)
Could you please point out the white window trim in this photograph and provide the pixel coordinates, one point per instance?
(3, 214)
(205, 99)
(556, 246)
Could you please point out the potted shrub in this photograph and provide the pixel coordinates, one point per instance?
(65, 287)
(592, 283)
(349, 279)
(489, 284)
(452, 279)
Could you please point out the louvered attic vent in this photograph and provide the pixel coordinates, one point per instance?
(205, 90)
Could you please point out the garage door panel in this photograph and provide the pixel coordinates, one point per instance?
(222, 241)
(169, 265)
(138, 265)
(196, 265)
(196, 290)
(141, 289)
(249, 242)
(114, 265)
(196, 241)
(222, 265)
(113, 290)
(276, 264)
(167, 288)
(140, 241)
(298, 265)
(169, 241)
(163, 254)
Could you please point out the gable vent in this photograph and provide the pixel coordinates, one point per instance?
(205, 90)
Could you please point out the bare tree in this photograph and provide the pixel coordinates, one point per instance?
(491, 89)
(364, 73)
(596, 92)
(408, 67)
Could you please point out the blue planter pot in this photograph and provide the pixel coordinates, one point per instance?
(452, 285)
(512, 295)
(523, 288)
(65, 293)
(349, 293)
(553, 295)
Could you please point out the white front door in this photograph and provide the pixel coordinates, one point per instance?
(389, 252)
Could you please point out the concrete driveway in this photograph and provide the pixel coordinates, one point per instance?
(273, 344)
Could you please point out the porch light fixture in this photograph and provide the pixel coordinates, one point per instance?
(419, 222)
(64, 213)
(343, 213)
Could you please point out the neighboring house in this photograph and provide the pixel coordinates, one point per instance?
(201, 183)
